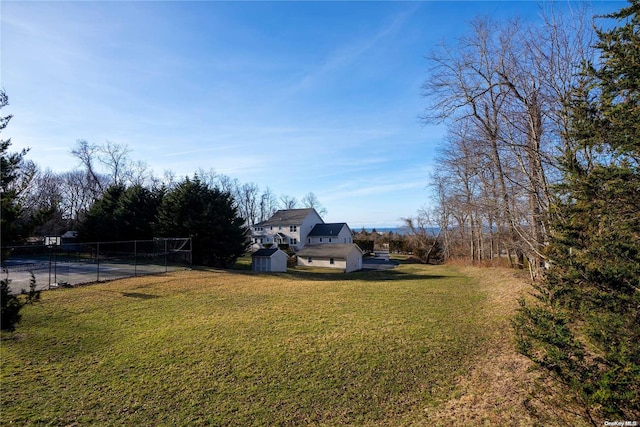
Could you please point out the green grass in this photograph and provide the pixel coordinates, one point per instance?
(236, 348)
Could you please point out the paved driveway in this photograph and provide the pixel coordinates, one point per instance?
(378, 264)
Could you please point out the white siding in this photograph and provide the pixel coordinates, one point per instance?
(307, 225)
(276, 263)
(323, 262)
(343, 237)
(261, 263)
(354, 261)
(268, 232)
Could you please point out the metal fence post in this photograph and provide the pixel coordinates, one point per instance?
(49, 267)
(55, 267)
(135, 258)
(98, 261)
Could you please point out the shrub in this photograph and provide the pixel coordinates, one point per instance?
(12, 304)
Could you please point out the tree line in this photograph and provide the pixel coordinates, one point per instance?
(541, 169)
(110, 197)
(502, 91)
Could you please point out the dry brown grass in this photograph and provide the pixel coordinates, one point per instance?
(419, 345)
(503, 388)
(236, 348)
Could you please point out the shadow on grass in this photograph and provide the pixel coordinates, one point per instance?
(363, 275)
(138, 295)
(327, 274)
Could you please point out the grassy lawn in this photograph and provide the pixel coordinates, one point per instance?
(237, 348)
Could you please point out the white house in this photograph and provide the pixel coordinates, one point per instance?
(330, 233)
(269, 260)
(286, 226)
(315, 242)
(344, 256)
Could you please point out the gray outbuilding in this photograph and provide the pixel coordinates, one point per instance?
(347, 257)
(269, 260)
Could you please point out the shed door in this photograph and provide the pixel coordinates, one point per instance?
(263, 264)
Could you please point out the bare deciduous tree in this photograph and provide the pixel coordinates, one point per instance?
(288, 202)
(86, 153)
(115, 157)
(424, 234)
(501, 91)
(268, 205)
(311, 201)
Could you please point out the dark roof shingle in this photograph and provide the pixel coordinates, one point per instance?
(287, 217)
(264, 252)
(328, 250)
(326, 230)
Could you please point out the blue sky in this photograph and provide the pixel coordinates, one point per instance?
(300, 97)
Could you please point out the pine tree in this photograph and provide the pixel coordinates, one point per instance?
(585, 327)
(121, 214)
(207, 215)
(100, 223)
(13, 227)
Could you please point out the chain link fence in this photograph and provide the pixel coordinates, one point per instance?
(69, 264)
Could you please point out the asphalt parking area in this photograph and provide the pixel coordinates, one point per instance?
(378, 264)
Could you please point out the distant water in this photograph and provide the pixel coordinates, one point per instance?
(395, 230)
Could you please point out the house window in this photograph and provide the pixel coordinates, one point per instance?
(293, 228)
(309, 260)
(293, 241)
(321, 240)
(329, 239)
(308, 240)
(331, 261)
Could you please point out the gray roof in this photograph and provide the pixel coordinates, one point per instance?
(327, 230)
(328, 250)
(287, 217)
(265, 252)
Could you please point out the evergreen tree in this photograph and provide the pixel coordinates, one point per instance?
(136, 212)
(209, 216)
(10, 306)
(585, 327)
(100, 223)
(121, 214)
(9, 169)
(15, 223)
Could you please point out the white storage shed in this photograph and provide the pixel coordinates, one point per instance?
(269, 260)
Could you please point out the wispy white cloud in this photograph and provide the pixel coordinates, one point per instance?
(198, 151)
(390, 179)
(377, 189)
(184, 94)
(346, 54)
